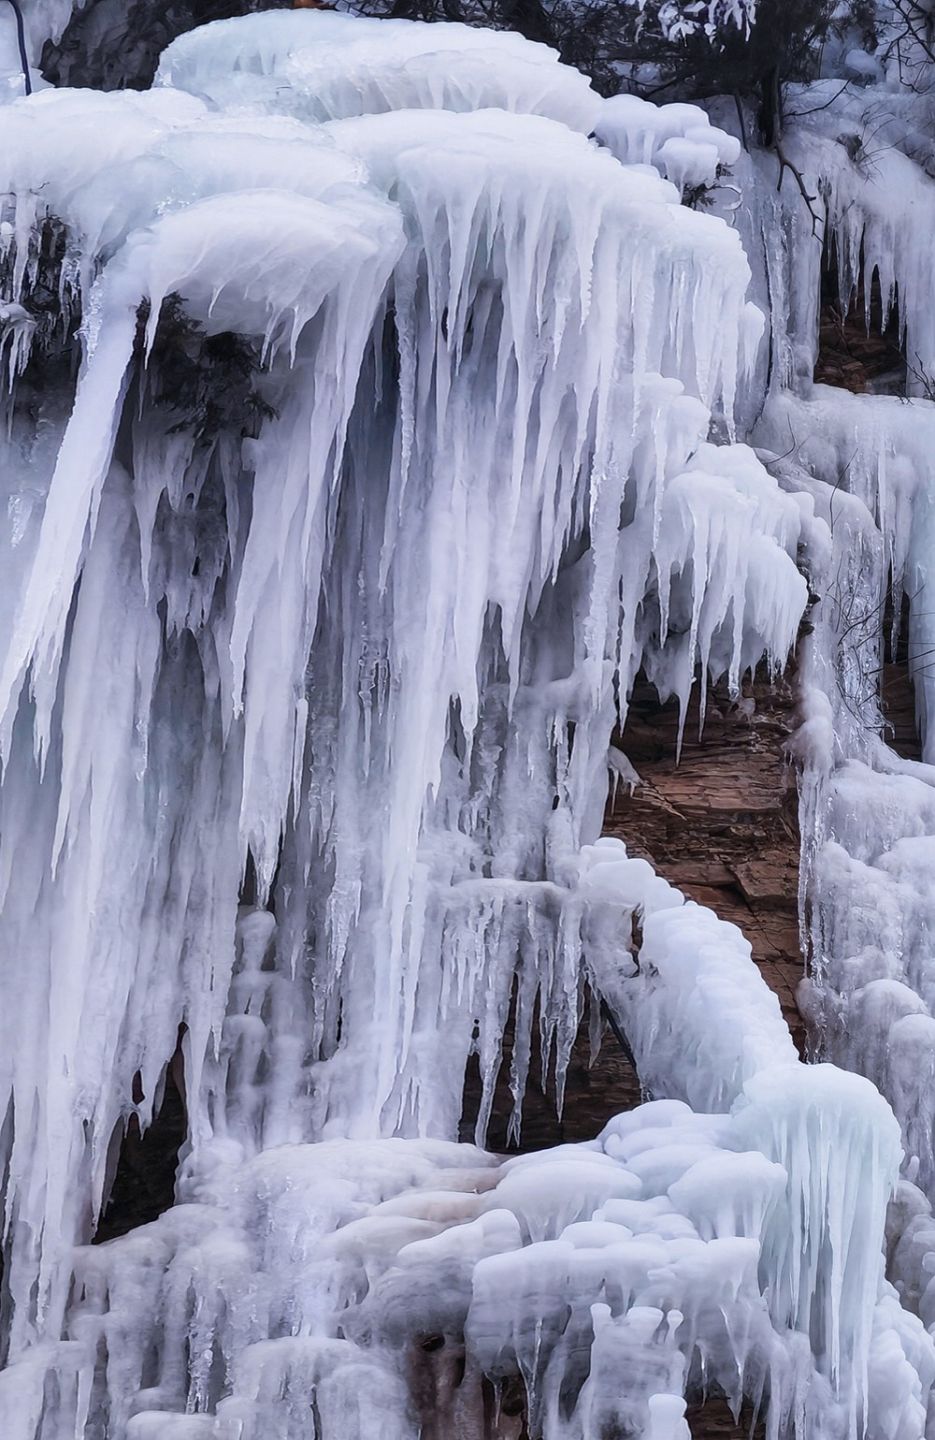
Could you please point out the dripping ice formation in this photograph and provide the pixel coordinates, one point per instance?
(865, 460)
(386, 467)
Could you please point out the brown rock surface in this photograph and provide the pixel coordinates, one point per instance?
(721, 824)
(855, 351)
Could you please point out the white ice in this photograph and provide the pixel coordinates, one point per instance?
(388, 463)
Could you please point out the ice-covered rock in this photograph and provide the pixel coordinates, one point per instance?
(356, 459)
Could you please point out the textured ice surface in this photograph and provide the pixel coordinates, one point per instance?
(867, 816)
(604, 1274)
(327, 575)
(329, 66)
(679, 140)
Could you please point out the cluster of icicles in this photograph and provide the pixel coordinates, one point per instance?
(383, 473)
(867, 811)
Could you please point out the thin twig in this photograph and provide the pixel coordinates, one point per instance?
(797, 114)
(786, 164)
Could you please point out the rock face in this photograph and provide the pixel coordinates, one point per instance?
(721, 824)
(116, 44)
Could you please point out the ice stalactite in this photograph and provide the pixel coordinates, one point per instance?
(865, 809)
(864, 461)
(867, 814)
(383, 471)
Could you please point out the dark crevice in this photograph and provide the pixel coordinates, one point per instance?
(897, 692)
(594, 1092)
(249, 885)
(146, 1165)
(711, 1419)
(859, 344)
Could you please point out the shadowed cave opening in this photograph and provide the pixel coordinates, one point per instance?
(146, 1164)
(597, 1087)
(859, 350)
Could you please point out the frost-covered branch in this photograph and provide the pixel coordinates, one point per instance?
(675, 20)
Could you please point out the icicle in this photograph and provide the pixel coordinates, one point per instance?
(383, 476)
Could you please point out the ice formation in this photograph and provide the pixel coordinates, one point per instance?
(387, 465)
(678, 139)
(865, 461)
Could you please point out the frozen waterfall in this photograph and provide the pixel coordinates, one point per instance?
(368, 426)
